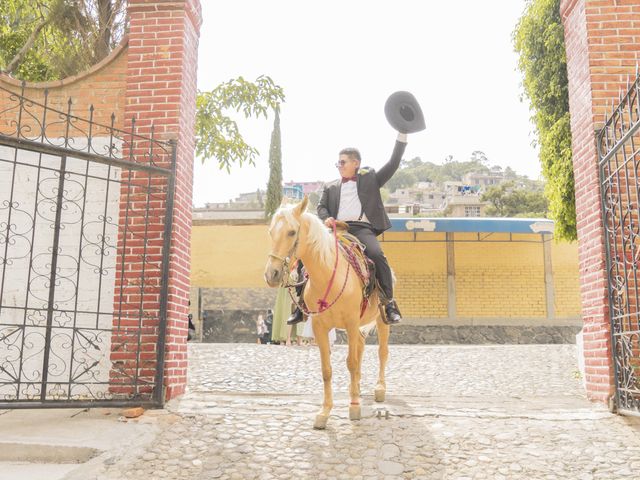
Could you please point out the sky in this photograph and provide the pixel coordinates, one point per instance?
(339, 60)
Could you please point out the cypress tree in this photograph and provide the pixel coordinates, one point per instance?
(274, 187)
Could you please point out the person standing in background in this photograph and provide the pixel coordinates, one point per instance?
(261, 330)
(281, 332)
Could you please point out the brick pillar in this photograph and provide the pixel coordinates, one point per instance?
(603, 45)
(161, 91)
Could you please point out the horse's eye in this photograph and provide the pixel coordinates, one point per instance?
(291, 233)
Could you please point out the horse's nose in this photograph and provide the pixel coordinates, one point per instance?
(272, 276)
(275, 274)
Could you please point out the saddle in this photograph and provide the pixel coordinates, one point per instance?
(354, 252)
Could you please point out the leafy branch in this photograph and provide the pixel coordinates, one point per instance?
(217, 135)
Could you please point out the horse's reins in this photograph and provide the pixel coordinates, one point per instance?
(322, 303)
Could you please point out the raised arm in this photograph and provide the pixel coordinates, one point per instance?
(386, 172)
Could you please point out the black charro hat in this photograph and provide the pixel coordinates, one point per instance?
(404, 113)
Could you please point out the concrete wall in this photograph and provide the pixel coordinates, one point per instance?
(499, 280)
(85, 285)
(421, 275)
(228, 256)
(460, 283)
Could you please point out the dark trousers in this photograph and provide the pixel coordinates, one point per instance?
(300, 273)
(383, 272)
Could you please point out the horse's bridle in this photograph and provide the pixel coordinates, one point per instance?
(323, 304)
(291, 255)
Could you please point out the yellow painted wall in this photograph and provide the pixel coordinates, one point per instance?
(421, 274)
(499, 280)
(494, 280)
(566, 281)
(228, 256)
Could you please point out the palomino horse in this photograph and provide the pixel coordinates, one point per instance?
(297, 234)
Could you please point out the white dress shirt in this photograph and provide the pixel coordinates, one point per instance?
(350, 207)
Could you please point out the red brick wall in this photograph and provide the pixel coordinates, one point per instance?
(151, 77)
(603, 47)
(102, 86)
(161, 90)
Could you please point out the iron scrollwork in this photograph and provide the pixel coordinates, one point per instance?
(77, 199)
(619, 164)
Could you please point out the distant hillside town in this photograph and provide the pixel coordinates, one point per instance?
(420, 189)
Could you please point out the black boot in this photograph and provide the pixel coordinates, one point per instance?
(296, 317)
(392, 313)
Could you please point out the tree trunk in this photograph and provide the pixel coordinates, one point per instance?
(17, 59)
(105, 23)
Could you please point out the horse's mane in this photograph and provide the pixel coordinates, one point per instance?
(320, 240)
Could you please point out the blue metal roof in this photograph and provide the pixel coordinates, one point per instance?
(472, 224)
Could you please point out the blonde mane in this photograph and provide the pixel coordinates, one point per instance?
(320, 240)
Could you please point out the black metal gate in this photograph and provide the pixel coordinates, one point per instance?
(619, 164)
(85, 223)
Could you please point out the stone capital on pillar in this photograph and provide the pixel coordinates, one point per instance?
(192, 9)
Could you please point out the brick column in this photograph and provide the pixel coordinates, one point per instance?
(161, 91)
(603, 44)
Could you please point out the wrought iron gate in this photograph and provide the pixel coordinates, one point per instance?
(85, 222)
(619, 164)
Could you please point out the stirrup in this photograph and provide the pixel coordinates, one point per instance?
(392, 315)
(296, 317)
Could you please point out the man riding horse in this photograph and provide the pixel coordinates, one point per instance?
(355, 198)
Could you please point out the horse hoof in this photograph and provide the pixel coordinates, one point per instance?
(321, 421)
(354, 412)
(378, 394)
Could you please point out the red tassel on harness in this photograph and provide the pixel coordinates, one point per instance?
(322, 305)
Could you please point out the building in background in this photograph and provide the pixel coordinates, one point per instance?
(297, 190)
(465, 205)
(449, 199)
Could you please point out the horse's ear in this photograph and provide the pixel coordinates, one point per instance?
(302, 206)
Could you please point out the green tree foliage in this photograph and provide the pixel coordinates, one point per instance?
(509, 173)
(480, 157)
(414, 162)
(274, 187)
(511, 200)
(53, 39)
(416, 170)
(539, 40)
(401, 179)
(217, 135)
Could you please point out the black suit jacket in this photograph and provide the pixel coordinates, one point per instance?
(369, 182)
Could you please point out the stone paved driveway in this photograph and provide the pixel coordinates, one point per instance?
(454, 412)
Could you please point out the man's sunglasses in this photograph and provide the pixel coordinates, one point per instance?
(342, 163)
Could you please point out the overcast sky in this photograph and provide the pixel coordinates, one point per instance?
(338, 61)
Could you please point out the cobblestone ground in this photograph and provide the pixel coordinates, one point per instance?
(454, 412)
